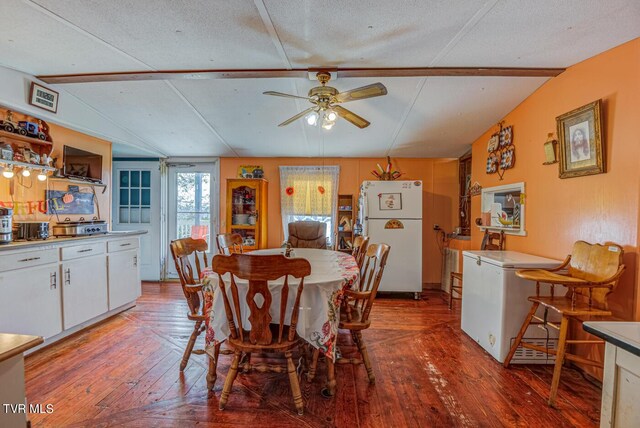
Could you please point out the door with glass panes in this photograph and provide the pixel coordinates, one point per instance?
(136, 206)
(191, 205)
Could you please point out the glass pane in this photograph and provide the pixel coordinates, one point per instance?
(135, 178)
(146, 178)
(146, 197)
(193, 205)
(134, 217)
(135, 197)
(124, 215)
(124, 197)
(145, 215)
(124, 178)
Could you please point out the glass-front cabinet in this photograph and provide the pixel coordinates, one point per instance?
(247, 211)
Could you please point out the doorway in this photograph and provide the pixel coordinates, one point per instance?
(136, 206)
(192, 204)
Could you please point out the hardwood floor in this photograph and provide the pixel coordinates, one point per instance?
(124, 372)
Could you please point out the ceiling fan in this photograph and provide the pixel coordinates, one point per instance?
(326, 100)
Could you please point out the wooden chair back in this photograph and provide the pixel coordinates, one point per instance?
(360, 244)
(229, 243)
(258, 271)
(596, 263)
(184, 251)
(493, 241)
(375, 261)
(308, 234)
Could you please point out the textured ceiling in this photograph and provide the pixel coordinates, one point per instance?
(433, 117)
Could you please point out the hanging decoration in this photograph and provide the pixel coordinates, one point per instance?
(502, 152)
(386, 174)
(475, 189)
(321, 188)
(289, 191)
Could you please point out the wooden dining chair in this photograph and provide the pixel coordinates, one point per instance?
(590, 273)
(360, 244)
(184, 251)
(261, 335)
(354, 314)
(491, 241)
(229, 243)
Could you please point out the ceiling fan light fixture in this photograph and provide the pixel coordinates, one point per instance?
(328, 124)
(331, 115)
(312, 118)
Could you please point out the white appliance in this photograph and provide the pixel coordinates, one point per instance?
(391, 213)
(494, 304)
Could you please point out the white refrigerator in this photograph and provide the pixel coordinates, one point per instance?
(495, 304)
(391, 213)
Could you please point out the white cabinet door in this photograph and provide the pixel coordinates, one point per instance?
(31, 302)
(124, 278)
(84, 289)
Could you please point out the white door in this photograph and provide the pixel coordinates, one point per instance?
(403, 272)
(192, 205)
(124, 278)
(393, 199)
(84, 289)
(136, 206)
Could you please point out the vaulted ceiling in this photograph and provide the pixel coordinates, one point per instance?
(420, 116)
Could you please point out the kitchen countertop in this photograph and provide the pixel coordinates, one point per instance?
(625, 335)
(16, 245)
(15, 344)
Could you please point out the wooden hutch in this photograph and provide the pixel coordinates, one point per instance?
(247, 211)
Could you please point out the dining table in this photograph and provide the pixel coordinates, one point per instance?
(332, 273)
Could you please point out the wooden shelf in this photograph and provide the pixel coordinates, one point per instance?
(242, 226)
(34, 166)
(24, 139)
(78, 182)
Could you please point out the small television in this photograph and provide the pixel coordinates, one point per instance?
(82, 165)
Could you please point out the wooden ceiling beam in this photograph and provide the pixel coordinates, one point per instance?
(129, 76)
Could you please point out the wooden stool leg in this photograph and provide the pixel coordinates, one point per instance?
(314, 364)
(231, 376)
(365, 357)
(562, 345)
(295, 385)
(331, 377)
(521, 333)
(212, 374)
(451, 292)
(189, 349)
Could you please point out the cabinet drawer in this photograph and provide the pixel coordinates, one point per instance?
(27, 259)
(123, 245)
(86, 250)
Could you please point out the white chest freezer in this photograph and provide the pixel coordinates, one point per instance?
(494, 303)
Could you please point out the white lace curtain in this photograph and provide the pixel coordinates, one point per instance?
(309, 193)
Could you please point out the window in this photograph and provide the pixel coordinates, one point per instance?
(309, 193)
(134, 205)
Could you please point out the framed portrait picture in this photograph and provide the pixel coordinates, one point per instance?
(390, 201)
(581, 145)
(44, 98)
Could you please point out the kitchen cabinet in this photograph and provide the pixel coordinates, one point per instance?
(247, 211)
(124, 278)
(84, 282)
(31, 301)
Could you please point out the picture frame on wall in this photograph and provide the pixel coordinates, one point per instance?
(581, 144)
(43, 98)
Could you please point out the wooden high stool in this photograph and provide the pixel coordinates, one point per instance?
(590, 273)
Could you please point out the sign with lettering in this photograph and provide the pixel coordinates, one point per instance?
(65, 202)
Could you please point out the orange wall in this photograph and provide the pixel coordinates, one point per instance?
(440, 177)
(33, 190)
(595, 208)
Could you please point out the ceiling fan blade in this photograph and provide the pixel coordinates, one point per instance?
(280, 94)
(351, 117)
(369, 91)
(297, 116)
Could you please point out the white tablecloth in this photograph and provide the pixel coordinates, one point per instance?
(332, 273)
